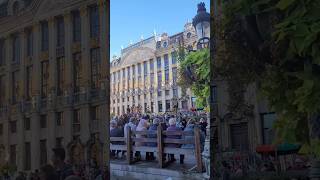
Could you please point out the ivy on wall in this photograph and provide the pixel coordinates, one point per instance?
(276, 44)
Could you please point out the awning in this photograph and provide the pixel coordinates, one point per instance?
(265, 149)
(281, 149)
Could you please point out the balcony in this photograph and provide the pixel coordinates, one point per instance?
(79, 97)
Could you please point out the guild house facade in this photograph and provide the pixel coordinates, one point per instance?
(53, 67)
(144, 77)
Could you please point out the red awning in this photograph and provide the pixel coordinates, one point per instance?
(265, 149)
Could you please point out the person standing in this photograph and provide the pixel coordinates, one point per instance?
(63, 170)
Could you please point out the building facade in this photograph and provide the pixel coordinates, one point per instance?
(144, 78)
(53, 69)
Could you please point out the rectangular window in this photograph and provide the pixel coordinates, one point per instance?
(139, 69)
(159, 93)
(151, 65)
(152, 107)
(95, 113)
(43, 152)
(76, 121)
(77, 71)
(159, 106)
(239, 136)
(123, 73)
(76, 23)
(94, 21)
(27, 162)
(151, 79)
(13, 156)
(60, 75)
(174, 75)
(29, 43)
(166, 75)
(268, 120)
(2, 52)
(159, 79)
(44, 36)
(214, 94)
(175, 92)
(15, 86)
(59, 118)
(44, 78)
(167, 92)
(145, 68)
(166, 61)
(16, 49)
(158, 63)
(133, 71)
(43, 121)
(95, 67)
(27, 124)
(60, 31)
(29, 83)
(128, 69)
(167, 105)
(13, 126)
(2, 90)
(184, 104)
(174, 57)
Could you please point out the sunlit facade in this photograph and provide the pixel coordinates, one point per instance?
(144, 78)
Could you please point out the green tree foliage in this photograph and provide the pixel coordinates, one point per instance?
(277, 44)
(198, 76)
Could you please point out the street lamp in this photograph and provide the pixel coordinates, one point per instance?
(201, 23)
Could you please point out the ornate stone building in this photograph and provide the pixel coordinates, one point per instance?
(144, 77)
(53, 88)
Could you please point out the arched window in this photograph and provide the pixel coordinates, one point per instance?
(165, 44)
(188, 34)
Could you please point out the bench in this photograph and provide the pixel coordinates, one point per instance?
(160, 149)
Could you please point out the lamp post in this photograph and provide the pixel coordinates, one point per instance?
(201, 23)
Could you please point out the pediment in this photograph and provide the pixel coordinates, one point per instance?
(137, 55)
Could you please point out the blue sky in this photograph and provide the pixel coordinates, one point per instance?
(131, 19)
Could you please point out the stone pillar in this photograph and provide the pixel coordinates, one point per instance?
(52, 84)
(20, 120)
(68, 112)
(8, 49)
(68, 53)
(85, 47)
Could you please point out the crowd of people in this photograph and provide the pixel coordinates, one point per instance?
(58, 170)
(139, 122)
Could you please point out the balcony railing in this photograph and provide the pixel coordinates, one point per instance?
(79, 97)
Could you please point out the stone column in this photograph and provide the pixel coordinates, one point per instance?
(85, 48)
(52, 84)
(35, 118)
(68, 113)
(20, 120)
(105, 67)
(6, 135)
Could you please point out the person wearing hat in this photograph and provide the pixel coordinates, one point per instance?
(62, 169)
